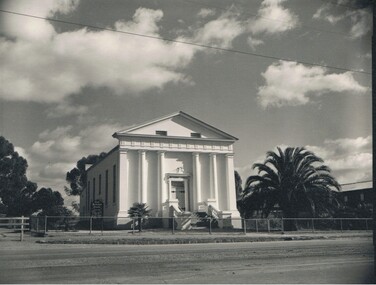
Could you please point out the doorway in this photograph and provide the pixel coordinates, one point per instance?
(179, 192)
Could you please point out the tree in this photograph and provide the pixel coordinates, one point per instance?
(16, 190)
(294, 180)
(49, 202)
(139, 211)
(238, 188)
(76, 177)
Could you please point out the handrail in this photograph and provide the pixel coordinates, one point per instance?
(212, 211)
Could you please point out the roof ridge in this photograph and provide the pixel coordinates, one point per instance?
(185, 115)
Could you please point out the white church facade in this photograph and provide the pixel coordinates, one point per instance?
(177, 165)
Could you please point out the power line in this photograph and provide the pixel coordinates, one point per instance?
(184, 42)
(266, 18)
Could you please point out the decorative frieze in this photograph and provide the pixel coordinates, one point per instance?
(177, 145)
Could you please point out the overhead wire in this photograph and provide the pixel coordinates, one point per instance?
(184, 42)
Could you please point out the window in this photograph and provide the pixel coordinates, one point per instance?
(346, 199)
(106, 188)
(362, 197)
(161, 133)
(195, 135)
(93, 189)
(100, 184)
(114, 183)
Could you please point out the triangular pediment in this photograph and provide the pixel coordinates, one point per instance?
(178, 124)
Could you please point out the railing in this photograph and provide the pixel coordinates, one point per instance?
(41, 225)
(307, 224)
(18, 223)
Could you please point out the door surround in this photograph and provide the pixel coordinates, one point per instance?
(177, 177)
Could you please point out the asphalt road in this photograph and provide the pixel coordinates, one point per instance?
(315, 261)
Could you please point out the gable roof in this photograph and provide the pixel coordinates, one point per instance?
(185, 116)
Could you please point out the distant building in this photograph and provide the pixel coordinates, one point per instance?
(176, 164)
(356, 200)
(354, 194)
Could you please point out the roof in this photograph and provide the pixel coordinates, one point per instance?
(176, 114)
(357, 186)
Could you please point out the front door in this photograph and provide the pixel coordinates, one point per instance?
(178, 193)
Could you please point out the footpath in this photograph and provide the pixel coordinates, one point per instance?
(167, 237)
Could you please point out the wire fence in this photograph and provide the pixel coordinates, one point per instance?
(207, 225)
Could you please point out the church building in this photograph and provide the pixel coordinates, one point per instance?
(177, 165)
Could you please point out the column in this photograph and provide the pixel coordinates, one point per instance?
(142, 190)
(213, 177)
(196, 179)
(161, 183)
(122, 183)
(230, 182)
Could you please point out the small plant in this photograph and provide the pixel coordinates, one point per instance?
(140, 211)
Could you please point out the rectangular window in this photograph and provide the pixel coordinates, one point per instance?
(93, 189)
(195, 135)
(114, 183)
(362, 197)
(106, 188)
(100, 184)
(88, 195)
(161, 133)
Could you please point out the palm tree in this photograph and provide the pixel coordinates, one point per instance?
(293, 180)
(139, 211)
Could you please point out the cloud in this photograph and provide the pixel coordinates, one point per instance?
(76, 59)
(253, 43)
(272, 18)
(360, 19)
(219, 32)
(57, 151)
(205, 12)
(349, 158)
(30, 29)
(65, 109)
(56, 65)
(289, 83)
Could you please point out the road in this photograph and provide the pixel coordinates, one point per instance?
(315, 261)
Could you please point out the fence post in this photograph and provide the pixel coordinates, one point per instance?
(366, 225)
(256, 226)
(37, 223)
(91, 223)
(313, 226)
(22, 229)
(245, 226)
(173, 225)
(210, 225)
(268, 225)
(102, 226)
(283, 229)
(341, 225)
(45, 224)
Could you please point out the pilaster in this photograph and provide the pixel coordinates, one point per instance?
(122, 183)
(161, 183)
(142, 190)
(230, 181)
(197, 179)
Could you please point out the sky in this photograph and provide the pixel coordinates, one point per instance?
(282, 73)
